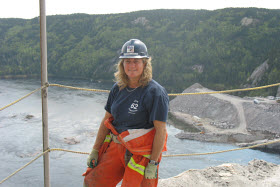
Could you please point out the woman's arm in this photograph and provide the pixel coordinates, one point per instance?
(159, 139)
(102, 132)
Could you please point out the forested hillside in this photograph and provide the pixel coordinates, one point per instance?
(219, 49)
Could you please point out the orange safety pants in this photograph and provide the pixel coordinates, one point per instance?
(111, 169)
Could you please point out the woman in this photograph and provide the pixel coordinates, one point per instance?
(132, 134)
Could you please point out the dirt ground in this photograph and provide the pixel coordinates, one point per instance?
(257, 173)
(224, 117)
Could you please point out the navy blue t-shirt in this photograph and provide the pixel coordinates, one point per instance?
(137, 109)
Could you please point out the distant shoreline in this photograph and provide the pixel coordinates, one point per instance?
(197, 133)
(18, 76)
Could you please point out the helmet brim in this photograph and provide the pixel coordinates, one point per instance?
(122, 57)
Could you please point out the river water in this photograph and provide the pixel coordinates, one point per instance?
(77, 114)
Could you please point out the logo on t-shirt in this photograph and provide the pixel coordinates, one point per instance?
(133, 108)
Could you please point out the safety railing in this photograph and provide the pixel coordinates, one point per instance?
(107, 91)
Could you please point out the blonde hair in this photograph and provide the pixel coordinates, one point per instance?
(122, 79)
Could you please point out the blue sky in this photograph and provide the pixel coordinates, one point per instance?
(30, 8)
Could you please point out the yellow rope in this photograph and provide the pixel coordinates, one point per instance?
(216, 152)
(78, 152)
(49, 150)
(190, 154)
(77, 88)
(107, 91)
(227, 91)
(86, 153)
(176, 94)
(24, 166)
(22, 98)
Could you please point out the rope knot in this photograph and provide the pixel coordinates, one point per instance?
(47, 84)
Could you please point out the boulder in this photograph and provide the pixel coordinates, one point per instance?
(258, 73)
(71, 140)
(29, 116)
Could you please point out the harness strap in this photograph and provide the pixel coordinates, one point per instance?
(115, 138)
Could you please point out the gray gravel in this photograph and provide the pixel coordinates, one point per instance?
(257, 173)
(226, 118)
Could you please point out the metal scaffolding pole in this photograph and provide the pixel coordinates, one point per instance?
(44, 92)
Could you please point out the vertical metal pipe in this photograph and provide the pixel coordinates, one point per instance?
(44, 92)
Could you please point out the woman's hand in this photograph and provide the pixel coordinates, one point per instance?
(93, 157)
(151, 171)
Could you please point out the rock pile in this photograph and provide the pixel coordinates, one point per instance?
(226, 118)
(257, 173)
(217, 111)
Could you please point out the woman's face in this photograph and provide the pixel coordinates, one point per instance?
(133, 68)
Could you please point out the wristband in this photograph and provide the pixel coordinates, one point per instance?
(153, 162)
